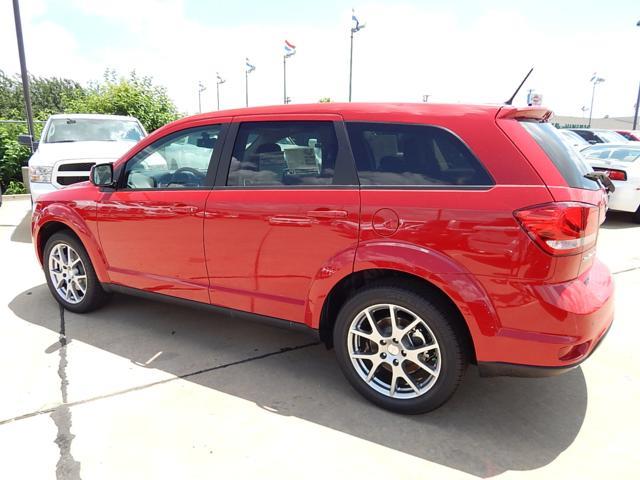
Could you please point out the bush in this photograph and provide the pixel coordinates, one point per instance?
(13, 156)
(15, 188)
(134, 96)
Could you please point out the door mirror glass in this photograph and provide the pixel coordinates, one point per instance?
(102, 175)
(24, 140)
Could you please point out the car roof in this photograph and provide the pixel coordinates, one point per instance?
(354, 110)
(92, 116)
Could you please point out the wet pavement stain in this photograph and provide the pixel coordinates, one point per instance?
(67, 467)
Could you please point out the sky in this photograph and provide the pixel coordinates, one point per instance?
(454, 51)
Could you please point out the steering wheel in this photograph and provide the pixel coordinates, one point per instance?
(187, 175)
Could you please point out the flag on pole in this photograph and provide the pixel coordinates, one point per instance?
(356, 27)
(289, 48)
(250, 67)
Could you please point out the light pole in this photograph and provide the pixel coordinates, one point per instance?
(201, 88)
(289, 50)
(219, 81)
(595, 79)
(23, 72)
(583, 109)
(635, 116)
(355, 29)
(248, 69)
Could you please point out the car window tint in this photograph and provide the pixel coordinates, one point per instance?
(283, 153)
(398, 154)
(180, 160)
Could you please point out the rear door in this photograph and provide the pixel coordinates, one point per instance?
(284, 214)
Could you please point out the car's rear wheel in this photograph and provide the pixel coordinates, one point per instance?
(399, 349)
(70, 274)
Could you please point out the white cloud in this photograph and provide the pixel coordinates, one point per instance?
(404, 52)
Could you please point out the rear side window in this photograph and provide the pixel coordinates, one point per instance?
(413, 155)
(569, 163)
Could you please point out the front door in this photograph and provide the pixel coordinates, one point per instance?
(283, 215)
(151, 226)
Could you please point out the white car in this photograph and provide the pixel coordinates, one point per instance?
(621, 162)
(575, 140)
(71, 144)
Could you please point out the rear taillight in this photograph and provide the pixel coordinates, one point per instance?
(613, 174)
(561, 228)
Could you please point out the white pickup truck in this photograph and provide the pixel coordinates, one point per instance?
(71, 144)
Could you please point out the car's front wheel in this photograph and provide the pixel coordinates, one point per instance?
(70, 274)
(399, 349)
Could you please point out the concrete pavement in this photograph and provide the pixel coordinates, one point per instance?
(148, 390)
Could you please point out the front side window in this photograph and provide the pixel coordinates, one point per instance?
(413, 155)
(180, 160)
(67, 130)
(288, 153)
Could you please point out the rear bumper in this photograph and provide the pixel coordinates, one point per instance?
(548, 328)
(499, 369)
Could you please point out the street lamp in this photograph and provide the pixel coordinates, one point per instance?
(23, 72)
(595, 79)
(201, 88)
(219, 81)
(635, 116)
(355, 29)
(248, 69)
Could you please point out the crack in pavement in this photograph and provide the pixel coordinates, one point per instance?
(67, 467)
(159, 382)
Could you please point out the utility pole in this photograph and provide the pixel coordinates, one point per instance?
(595, 79)
(201, 88)
(355, 29)
(23, 73)
(635, 116)
(248, 69)
(289, 51)
(219, 81)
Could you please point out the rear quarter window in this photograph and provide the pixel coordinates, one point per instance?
(569, 163)
(413, 155)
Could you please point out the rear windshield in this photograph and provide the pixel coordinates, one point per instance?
(571, 164)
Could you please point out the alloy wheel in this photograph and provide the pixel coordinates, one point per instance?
(394, 351)
(68, 273)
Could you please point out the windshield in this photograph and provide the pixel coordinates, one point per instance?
(93, 130)
(611, 137)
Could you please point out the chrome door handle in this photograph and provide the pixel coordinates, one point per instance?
(327, 213)
(295, 221)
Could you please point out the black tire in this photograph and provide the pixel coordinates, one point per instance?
(453, 358)
(636, 216)
(95, 295)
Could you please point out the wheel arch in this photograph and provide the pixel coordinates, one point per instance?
(57, 218)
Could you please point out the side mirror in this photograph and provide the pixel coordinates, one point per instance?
(101, 175)
(27, 141)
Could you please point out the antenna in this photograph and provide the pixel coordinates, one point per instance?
(510, 101)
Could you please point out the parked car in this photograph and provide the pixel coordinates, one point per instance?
(71, 144)
(575, 140)
(631, 135)
(594, 136)
(413, 238)
(620, 162)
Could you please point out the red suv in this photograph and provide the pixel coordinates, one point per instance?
(414, 239)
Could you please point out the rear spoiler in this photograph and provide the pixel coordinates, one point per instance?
(541, 114)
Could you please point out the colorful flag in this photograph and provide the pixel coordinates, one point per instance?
(250, 67)
(289, 48)
(357, 27)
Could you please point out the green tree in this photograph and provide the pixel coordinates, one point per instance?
(135, 96)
